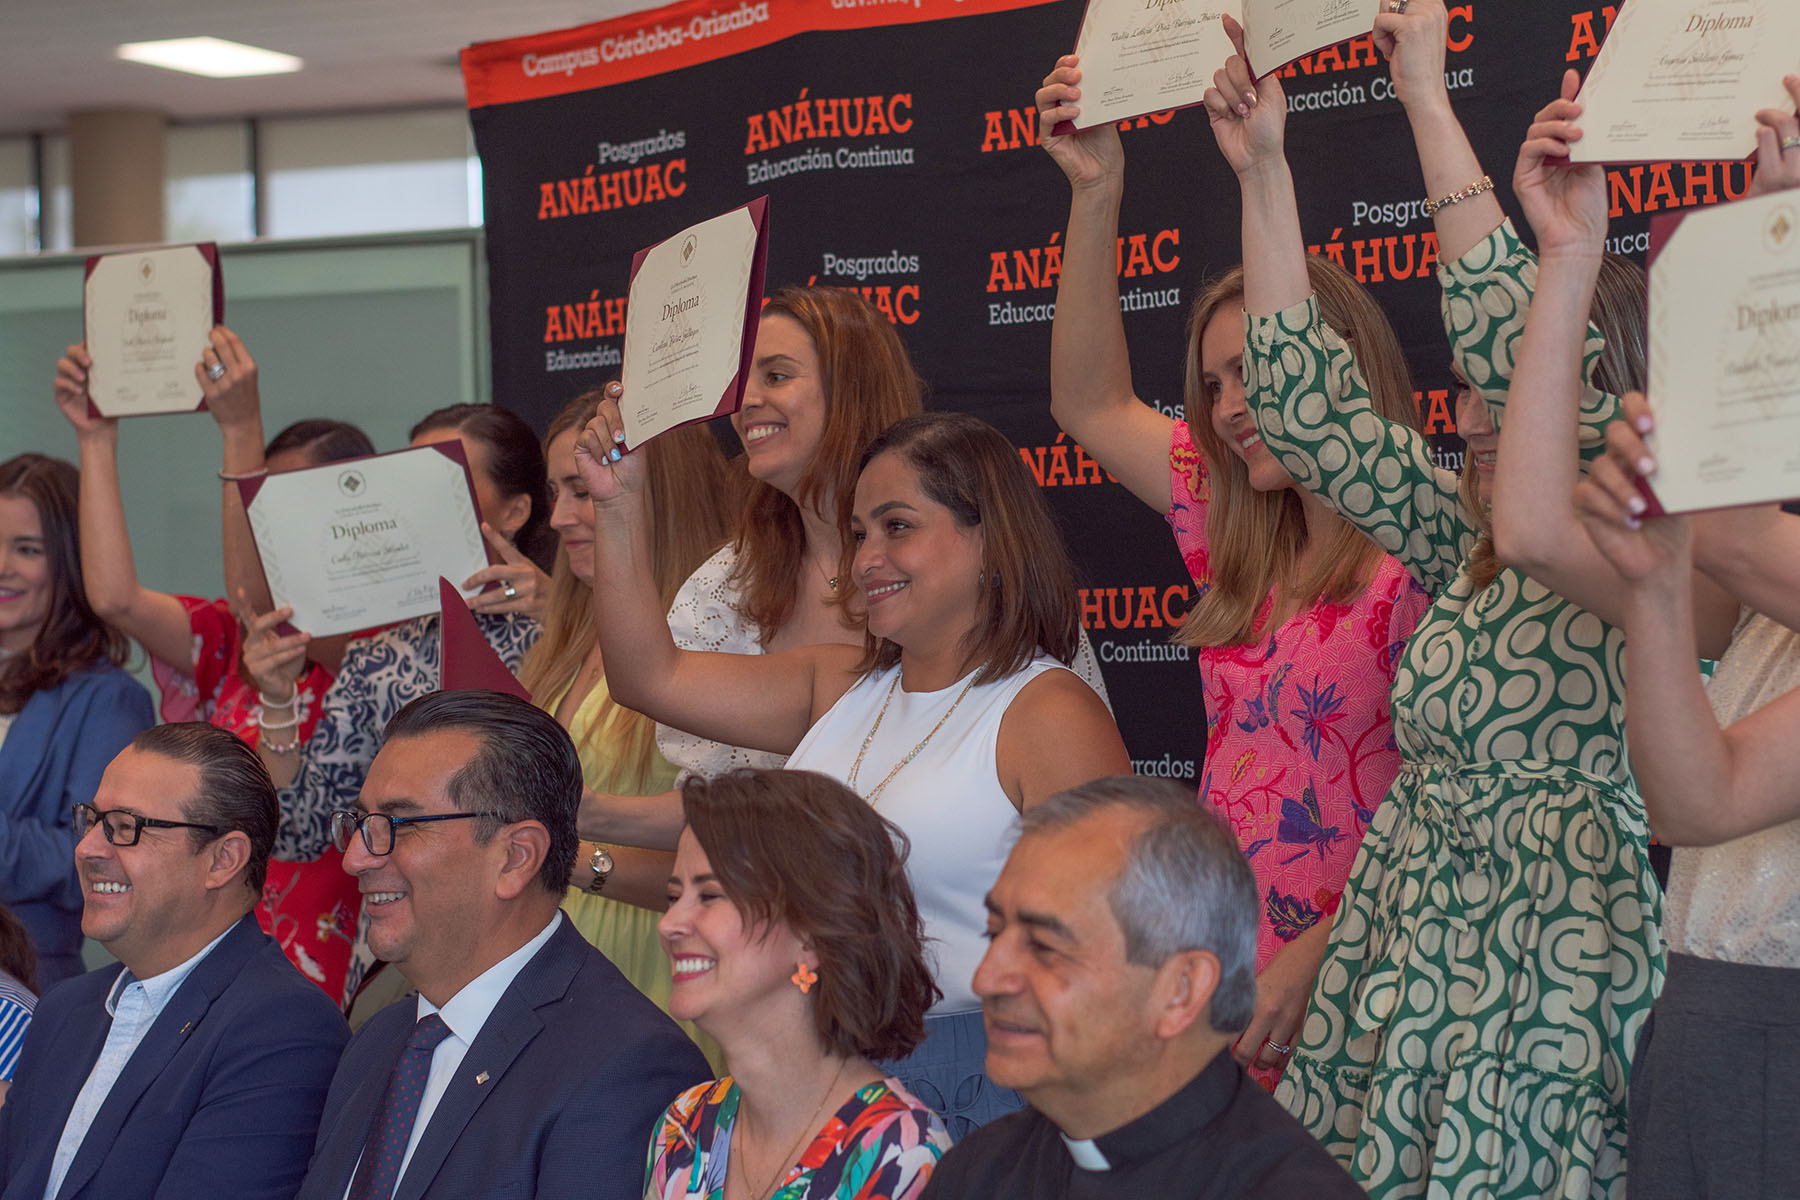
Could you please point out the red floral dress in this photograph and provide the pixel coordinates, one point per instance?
(311, 908)
(1299, 742)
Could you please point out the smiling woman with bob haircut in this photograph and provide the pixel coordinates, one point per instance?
(794, 941)
(957, 712)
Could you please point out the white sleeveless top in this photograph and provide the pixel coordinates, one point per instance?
(1740, 901)
(948, 801)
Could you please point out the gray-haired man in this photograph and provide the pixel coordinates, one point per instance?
(1120, 971)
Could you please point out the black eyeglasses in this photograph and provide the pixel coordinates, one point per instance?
(378, 828)
(123, 828)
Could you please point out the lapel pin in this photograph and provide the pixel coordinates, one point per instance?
(185, 1028)
(481, 1078)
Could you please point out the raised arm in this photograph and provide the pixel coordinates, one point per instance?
(765, 702)
(1701, 785)
(1413, 41)
(155, 619)
(1091, 395)
(1309, 396)
(236, 404)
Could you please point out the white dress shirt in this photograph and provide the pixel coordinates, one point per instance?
(134, 1004)
(465, 1013)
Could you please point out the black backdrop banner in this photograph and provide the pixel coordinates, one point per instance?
(896, 140)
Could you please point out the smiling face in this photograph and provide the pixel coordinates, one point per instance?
(429, 899)
(141, 901)
(918, 568)
(1222, 373)
(782, 421)
(25, 583)
(1476, 425)
(571, 512)
(1063, 1008)
(728, 977)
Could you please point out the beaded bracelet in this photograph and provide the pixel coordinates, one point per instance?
(263, 698)
(290, 723)
(1484, 184)
(230, 477)
(287, 747)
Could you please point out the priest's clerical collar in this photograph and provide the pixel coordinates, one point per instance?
(1175, 1121)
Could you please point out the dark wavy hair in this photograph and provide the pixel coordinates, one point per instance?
(1028, 602)
(18, 957)
(322, 441)
(234, 793)
(525, 770)
(515, 464)
(72, 638)
(799, 849)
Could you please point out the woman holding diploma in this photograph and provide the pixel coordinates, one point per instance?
(794, 937)
(66, 705)
(196, 645)
(1701, 1120)
(1456, 1043)
(956, 713)
(617, 893)
(1293, 593)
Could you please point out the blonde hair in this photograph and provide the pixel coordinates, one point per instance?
(1256, 539)
(693, 497)
(1620, 311)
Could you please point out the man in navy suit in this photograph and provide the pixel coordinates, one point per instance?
(198, 1065)
(526, 1065)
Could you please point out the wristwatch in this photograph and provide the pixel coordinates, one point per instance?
(601, 864)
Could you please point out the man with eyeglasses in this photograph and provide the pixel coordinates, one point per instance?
(527, 1065)
(198, 1064)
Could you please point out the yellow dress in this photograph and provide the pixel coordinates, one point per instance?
(623, 932)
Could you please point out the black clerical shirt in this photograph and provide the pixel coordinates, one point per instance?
(1219, 1138)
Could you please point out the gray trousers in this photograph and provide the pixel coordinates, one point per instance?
(1715, 1085)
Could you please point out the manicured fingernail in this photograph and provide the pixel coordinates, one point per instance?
(1636, 505)
(1646, 465)
(616, 456)
(619, 436)
(1250, 99)
(1643, 424)
(1243, 109)
(1633, 523)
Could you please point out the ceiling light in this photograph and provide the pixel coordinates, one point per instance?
(209, 56)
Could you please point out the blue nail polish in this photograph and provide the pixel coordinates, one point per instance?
(616, 456)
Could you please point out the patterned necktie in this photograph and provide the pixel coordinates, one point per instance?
(382, 1154)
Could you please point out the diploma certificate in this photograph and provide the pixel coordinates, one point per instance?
(1683, 79)
(1144, 56)
(147, 315)
(1725, 355)
(690, 322)
(355, 544)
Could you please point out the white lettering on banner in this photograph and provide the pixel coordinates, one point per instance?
(1008, 313)
(1166, 767)
(1142, 652)
(629, 152)
(1629, 243)
(1398, 213)
(766, 169)
(874, 156)
(566, 63)
(599, 356)
(1382, 88)
(893, 263)
(667, 37)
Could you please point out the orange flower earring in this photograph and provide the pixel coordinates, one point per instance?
(803, 978)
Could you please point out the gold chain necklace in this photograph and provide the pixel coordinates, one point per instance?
(787, 1160)
(856, 767)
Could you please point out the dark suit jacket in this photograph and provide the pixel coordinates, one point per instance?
(221, 1097)
(574, 1065)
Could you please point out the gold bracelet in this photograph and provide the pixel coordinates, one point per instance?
(1484, 184)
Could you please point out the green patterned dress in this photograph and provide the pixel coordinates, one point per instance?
(1499, 945)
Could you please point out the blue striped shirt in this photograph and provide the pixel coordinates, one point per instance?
(16, 1005)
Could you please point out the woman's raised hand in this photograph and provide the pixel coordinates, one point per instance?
(227, 376)
(1778, 169)
(609, 472)
(1565, 204)
(1249, 116)
(1088, 156)
(1611, 507)
(71, 392)
(523, 588)
(1413, 42)
(274, 662)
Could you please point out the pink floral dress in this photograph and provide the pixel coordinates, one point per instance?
(1299, 742)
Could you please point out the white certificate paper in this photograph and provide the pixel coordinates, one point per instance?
(147, 315)
(1725, 355)
(1683, 79)
(1145, 56)
(356, 544)
(690, 322)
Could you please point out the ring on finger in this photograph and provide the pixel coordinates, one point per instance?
(509, 591)
(1788, 143)
(1277, 1047)
(216, 371)
(1396, 6)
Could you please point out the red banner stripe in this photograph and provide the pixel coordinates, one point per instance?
(675, 36)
